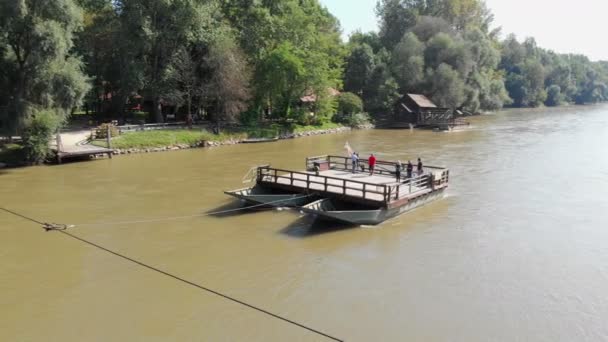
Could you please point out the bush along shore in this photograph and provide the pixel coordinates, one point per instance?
(131, 147)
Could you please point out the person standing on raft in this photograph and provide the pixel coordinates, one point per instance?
(398, 168)
(372, 164)
(410, 169)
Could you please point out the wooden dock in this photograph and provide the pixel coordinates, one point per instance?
(78, 150)
(82, 151)
(335, 178)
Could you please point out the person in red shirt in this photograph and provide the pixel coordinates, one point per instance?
(372, 164)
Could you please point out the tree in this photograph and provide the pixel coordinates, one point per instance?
(182, 80)
(36, 38)
(534, 74)
(554, 96)
(396, 17)
(229, 84)
(359, 67)
(280, 77)
(381, 92)
(155, 30)
(294, 48)
(408, 62)
(349, 103)
(447, 87)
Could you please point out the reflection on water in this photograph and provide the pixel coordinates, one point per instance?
(516, 251)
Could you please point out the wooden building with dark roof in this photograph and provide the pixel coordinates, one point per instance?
(415, 110)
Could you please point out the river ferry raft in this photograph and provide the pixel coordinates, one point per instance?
(328, 189)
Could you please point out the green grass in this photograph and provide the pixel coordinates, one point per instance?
(162, 138)
(327, 125)
(11, 154)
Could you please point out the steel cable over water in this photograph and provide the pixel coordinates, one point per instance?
(60, 226)
(185, 281)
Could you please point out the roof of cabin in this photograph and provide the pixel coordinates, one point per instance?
(422, 101)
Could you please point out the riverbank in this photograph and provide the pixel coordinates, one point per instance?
(173, 140)
(11, 155)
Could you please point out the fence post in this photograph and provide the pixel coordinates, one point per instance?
(410, 185)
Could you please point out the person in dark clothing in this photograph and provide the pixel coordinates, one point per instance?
(420, 171)
(398, 168)
(410, 169)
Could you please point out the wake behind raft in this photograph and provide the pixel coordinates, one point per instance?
(330, 190)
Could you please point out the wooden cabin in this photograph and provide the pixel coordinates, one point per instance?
(415, 110)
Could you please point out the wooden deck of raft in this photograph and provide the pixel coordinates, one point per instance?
(335, 179)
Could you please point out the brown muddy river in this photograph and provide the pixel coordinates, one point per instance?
(517, 251)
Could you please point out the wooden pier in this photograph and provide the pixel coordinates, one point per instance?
(64, 152)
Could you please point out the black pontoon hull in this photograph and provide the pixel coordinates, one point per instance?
(260, 195)
(325, 209)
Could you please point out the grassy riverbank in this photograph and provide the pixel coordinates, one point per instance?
(163, 138)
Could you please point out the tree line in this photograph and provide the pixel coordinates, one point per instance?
(254, 60)
(448, 50)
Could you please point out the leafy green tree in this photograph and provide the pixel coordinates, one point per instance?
(349, 103)
(554, 96)
(182, 80)
(37, 133)
(369, 38)
(299, 40)
(447, 88)
(156, 30)
(408, 62)
(534, 74)
(36, 38)
(280, 79)
(396, 17)
(229, 86)
(382, 90)
(359, 68)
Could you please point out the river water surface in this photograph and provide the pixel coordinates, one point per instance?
(517, 251)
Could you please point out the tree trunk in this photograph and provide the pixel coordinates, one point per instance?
(158, 113)
(189, 114)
